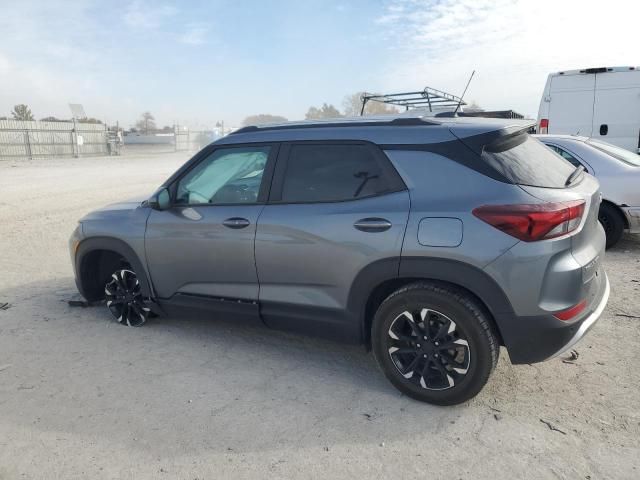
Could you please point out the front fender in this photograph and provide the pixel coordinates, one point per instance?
(118, 246)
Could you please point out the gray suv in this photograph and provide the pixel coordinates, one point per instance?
(431, 241)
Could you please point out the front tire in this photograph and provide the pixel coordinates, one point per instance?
(434, 343)
(124, 298)
(612, 222)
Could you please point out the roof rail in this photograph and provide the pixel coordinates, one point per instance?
(395, 122)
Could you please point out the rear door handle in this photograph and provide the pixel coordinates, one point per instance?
(236, 222)
(372, 224)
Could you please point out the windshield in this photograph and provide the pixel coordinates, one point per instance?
(621, 154)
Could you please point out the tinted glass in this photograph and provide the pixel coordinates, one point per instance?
(326, 173)
(616, 152)
(566, 155)
(526, 161)
(227, 176)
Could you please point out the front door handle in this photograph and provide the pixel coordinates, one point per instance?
(236, 222)
(372, 224)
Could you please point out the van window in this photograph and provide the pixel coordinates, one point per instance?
(523, 160)
(619, 153)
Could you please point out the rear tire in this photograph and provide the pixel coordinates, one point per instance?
(434, 343)
(612, 222)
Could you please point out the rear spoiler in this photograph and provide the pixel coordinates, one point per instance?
(495, 140)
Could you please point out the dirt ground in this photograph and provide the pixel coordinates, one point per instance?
(83, 397)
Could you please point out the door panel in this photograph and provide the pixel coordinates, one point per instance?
(571, 106)
(616, 114)
(190, 250)
(308, 256)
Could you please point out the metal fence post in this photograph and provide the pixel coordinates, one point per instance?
(75, 151)
(27, 144)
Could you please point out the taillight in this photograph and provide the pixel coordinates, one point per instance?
(544, 125)
(570, 313)
(533, 222)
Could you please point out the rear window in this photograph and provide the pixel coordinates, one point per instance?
(523, 160)
(621, 154)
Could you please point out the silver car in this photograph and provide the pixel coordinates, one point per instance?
(618, 171)
(431, 241)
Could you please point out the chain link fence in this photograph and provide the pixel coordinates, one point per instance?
(34, 139)
(31, 139)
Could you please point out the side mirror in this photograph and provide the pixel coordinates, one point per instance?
(161, 200)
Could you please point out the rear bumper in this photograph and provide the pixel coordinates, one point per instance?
(633, 218)
(588, 322)
(540, 338)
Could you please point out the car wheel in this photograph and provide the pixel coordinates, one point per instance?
(434, 343)
(124, 298)
(612, 222)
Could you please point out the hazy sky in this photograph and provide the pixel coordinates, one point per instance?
(199, 62)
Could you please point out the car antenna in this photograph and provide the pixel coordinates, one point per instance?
(465, 91)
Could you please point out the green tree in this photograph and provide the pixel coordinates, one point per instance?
(263, 118)
(146, 124)
(352, 105)
(22, 112)
(325, 111)
(53, 119)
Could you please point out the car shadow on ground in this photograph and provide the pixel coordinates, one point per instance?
(188, 377)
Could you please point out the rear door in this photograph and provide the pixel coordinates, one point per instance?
(616, 113)
(335, 208)
(571, 104)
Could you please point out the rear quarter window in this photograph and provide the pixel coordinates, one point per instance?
(523, 160)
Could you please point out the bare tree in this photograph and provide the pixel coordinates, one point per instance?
(22, 112)
(352, 105)
(473, 106)
(325, 111)
(146, 123)
(263, 118)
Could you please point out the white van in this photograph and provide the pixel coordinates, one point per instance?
(601, 103)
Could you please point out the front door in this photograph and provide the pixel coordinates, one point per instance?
(203, 246)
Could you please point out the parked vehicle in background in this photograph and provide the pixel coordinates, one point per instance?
(600, 103)
(618, 171)
(433, 241)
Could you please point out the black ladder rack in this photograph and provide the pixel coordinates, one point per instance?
(429, 97)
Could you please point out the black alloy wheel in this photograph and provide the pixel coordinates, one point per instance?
(124, 298)
(434, 342)
(428, 350)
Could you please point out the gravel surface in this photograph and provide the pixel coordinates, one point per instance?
(83, 397)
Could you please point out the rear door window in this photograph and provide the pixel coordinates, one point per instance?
(523, 160)
(334, 172)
